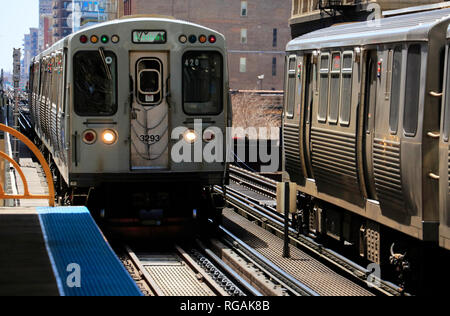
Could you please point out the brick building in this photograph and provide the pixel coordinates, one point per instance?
(45, 24)
(311, 15)
(30, 49)
(257, 32)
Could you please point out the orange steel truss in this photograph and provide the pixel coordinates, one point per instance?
(48, 175)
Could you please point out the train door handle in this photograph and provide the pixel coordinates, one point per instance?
(433, 176)
(434, 135)
(436, 94)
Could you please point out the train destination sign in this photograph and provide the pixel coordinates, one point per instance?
(149, 37)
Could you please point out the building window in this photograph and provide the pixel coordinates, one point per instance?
(127, 7)
(275, 37)
(243, 36)
(244, 11)
(274, 66)
(243, 65)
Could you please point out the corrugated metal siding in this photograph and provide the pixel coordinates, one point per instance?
(334, 158)
(292, 149)
(54, 129)
(387, 169)
(449, 172)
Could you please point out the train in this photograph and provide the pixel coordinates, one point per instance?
(366, 135)
(106, 101)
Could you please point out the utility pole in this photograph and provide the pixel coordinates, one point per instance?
(1, 90)
(16, 79)
(2, 100)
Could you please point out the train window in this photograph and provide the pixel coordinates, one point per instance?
(44, 84)
(53, 80)
(412, 91)
(346, 96)
(203, 83)
(149, 84)
(447, 103)
(292, 71)
(395, 89)
(387, 89)
(335, 88)
(42, 77)
(95, 83)
(309, 82)
(60, 67)
(324, 87)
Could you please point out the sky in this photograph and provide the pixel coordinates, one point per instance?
(16, 18)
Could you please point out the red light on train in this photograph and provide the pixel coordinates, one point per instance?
(212, 39)
(89, 137)
(83, 39)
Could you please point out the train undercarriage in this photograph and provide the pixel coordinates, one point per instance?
(412, 264)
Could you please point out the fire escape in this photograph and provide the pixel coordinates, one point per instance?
(333, 7)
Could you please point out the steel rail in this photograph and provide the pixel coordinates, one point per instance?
(228, 270)
(259, 183)
(263, 214)
(287, 280)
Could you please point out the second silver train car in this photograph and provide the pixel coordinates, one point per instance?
(366, 134)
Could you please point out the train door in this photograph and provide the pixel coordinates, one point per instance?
(334, 127)
(386, 149)
(444, 161)
(150, 133)
(370, 101)
(293, 149)
(310, 84)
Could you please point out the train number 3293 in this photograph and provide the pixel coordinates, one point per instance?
(150, 138)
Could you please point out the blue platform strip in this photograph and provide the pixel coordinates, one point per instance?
(72, 237)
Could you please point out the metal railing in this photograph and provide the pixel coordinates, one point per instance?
(48, 175)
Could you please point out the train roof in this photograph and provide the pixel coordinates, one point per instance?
(411, 27)
(125, 20)
(140, 18)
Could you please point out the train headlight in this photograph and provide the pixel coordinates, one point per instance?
(109, 137)
(190, 136)
(89, 137)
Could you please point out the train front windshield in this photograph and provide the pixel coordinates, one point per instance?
(95, 82)
(203, 83)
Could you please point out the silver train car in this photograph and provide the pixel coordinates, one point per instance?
(105, 101)
(366, 129)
